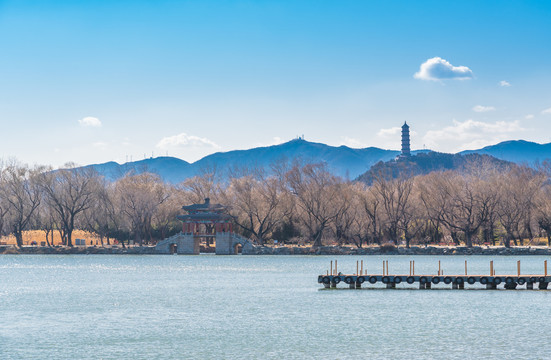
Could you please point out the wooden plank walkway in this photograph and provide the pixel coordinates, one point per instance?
(492, 281)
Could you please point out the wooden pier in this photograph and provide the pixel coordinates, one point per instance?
(490, 281)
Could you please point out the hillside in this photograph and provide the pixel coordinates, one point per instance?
(343, 161)
(425, 163)
(517, 151)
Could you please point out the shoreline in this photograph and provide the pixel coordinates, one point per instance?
(289, 250)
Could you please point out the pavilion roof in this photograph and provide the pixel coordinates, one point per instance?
(205, 207)
(204, 217)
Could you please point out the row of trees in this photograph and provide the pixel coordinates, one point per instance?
(295, 202)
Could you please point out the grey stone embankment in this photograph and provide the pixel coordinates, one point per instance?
(76, 250)
(385, 250)
(292, 250)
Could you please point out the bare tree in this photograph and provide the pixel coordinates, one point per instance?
(138, 197)
(370, 203)
(258, 204)
(517, 190)
(22, 195)
(315, 191)
(69, 192)
(164, 219)
(395, 196)
(203, 186)
(470, 199)
(346, 213)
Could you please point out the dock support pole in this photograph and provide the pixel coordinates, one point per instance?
(358, 285)
(543, 285)
(530, 285)
(491, 286)
(326, 285)
(352, 285)
(428, 285)
(421, 285)
(391, 285)
(462, 285)
(455, 286)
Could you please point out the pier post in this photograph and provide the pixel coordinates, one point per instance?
(455, 285)
(391, 285)
(462, 285)
(327, 286)
(511, 286)
(530, 285)
(491, 286)
(428, 285)
(352, 285)
(421, 285)
(358, 285)
(543, 285)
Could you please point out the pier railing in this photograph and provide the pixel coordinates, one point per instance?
(425, 281)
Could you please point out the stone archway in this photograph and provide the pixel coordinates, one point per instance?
(237, 248)
(173, 248)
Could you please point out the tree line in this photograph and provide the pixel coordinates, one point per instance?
(292, 203)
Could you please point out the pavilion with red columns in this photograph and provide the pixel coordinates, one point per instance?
(206, 220)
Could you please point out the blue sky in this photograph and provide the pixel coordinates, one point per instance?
(94, 81)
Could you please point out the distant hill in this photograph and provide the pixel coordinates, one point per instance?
(517, 151)
(425, 163)
(342, 161)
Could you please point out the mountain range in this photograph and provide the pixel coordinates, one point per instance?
(342, 161)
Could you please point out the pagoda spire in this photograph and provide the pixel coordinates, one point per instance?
(406, 151)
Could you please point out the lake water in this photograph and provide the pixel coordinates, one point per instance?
(260, 307)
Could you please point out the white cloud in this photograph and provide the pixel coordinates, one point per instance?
(480, 108)
(390, 132)
(470, 134)
(504, 83)
(185, 140)
(437, 69)
(529, 117)
(546, 111)
(90, 121)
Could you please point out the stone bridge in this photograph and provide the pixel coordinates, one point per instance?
(227, 243)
